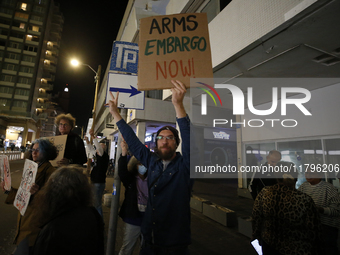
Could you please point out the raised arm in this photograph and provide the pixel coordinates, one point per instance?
(113, 107)
(178, 93)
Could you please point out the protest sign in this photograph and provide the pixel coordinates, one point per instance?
(59, 142)
(173, 47)
(5, 172)
(23, 195)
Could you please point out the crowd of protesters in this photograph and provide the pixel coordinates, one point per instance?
(64, 214)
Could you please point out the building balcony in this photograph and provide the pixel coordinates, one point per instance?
(46, 86)
(43, 105)
(48, 76)
(44, 95)
(50, 68)
(50, 57)
(43, 116)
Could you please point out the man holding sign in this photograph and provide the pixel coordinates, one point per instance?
(166, 224)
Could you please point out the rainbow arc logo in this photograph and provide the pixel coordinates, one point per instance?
(209, 93)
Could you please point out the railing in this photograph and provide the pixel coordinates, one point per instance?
(13, 155)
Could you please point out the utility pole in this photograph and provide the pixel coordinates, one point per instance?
(112, 234)
(97, 80)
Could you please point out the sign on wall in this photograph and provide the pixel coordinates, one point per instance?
(173, 47)
(124, 57)
(129, 96)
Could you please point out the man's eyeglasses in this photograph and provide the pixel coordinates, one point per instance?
(160, 137)
(63, 124)
(34, 150)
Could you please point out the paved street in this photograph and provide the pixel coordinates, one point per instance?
(208, 236)
(8, 213)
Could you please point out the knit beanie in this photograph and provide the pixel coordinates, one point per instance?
(173, 130)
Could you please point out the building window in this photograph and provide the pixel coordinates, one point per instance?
(21, 15)
(2, 42)
(22, 92)
(6, 90)
(3, 31)
(37, 18)
(38, 9)
(19, 104)
(23, 7)
(19, 24)
(28, 58)
(4, 102)
(34, 28)
(16, 35)
(26, 69)
(49, 53)
(32, 38)
(24, 80)
(15, 45)
(10, 67)
(12, 56)
(8, 78)
(5, 21)
(6, 11)
(8, 2)
(30, 48)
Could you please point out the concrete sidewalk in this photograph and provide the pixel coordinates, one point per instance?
(208, 236)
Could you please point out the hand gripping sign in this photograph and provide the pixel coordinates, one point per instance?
(23, 195)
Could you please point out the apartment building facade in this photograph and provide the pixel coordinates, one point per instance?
(29, 49)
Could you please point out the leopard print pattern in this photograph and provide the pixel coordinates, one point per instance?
(287, 220)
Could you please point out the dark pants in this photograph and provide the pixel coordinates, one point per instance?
(268, 250)
(148, 249)
(23, 248)
(330, 238)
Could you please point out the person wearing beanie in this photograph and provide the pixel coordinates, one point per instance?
(166, 223)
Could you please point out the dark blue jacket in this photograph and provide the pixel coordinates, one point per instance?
(167, 216)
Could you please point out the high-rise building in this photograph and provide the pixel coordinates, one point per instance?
(30, 36)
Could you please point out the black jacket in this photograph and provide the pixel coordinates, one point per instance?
(78, 230)
(260, 181)
(75, 150)
(98, 173)
(129, 207)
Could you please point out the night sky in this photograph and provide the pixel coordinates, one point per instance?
(88, 34)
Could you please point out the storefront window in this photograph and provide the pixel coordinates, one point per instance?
(301, 153)
(322, 152)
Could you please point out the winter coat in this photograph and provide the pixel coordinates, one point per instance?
(25, 226)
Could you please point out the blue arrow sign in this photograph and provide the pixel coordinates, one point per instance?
(133, 90)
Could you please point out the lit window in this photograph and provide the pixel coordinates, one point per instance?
(21, 15)
(35, 28)
(28, 37)
(22, 25)
(24, 7)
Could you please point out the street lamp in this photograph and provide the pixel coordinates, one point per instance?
(75, 62)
